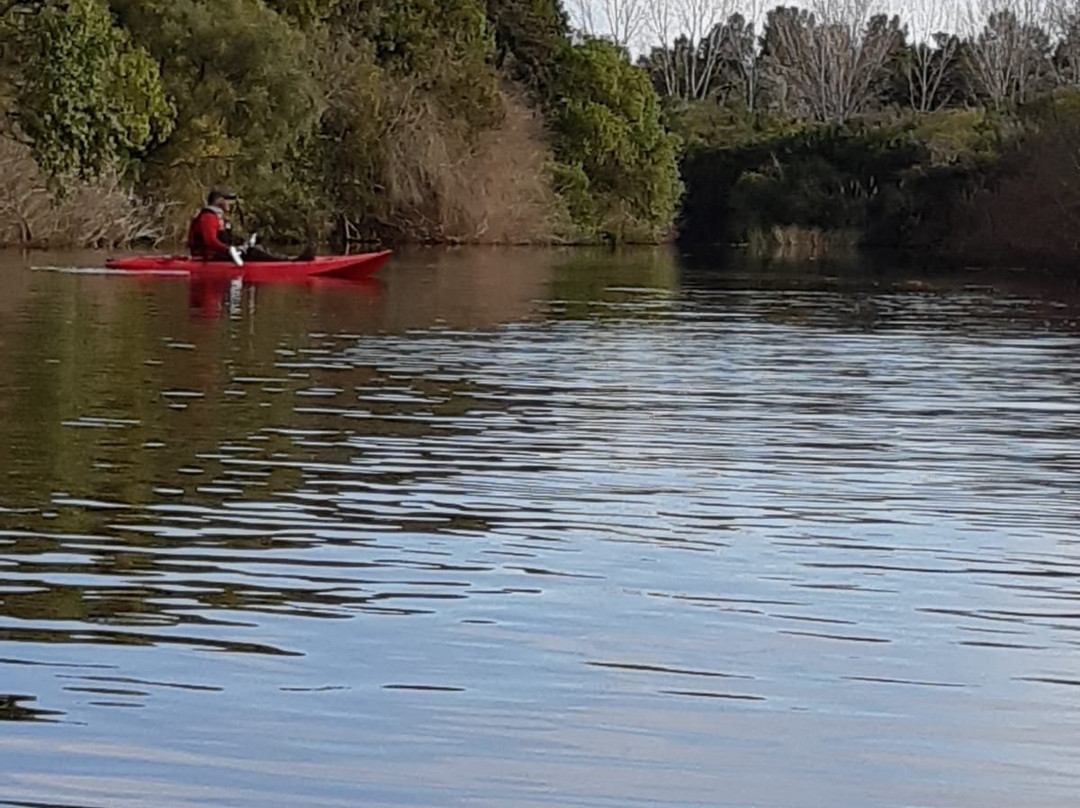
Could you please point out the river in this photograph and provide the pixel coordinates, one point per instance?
(513, 528)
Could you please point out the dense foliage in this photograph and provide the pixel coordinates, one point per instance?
(906, 133)
(617, 163)
(243, 83)
(496, 120)
(409, 119)
(89, 96)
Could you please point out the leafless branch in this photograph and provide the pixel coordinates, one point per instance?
(932, 28)
(1009, 48)
(832, 59)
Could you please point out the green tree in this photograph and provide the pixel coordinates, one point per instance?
(531, 37)
(618, 171)
(305, 12)
(87, 97)
(409, 87)
(441, 47)
(247, 97)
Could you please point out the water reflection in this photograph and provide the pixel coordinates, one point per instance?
(22, 708)
(531, 527)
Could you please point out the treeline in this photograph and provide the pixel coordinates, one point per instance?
(828, 61)
(440, 120)
(950, 127)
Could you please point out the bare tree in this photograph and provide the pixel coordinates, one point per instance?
(619, 20)
(660, 20)
(1063, 19)
(743, 51)
(1008, 51)
(934, 49)
(583, 16)
(831, 61)
(701, 22)
(625, 19)
(691, 39)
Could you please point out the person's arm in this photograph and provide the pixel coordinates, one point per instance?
(209, 227)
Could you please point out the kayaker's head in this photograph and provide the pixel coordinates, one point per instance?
(221, 198)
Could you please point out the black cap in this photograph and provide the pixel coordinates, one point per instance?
(220, 193)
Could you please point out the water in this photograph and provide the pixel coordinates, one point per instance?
(539, 529)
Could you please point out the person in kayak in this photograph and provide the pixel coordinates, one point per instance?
(210, 236)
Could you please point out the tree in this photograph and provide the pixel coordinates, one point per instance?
(617, 163)
(86, 97)
(743, 51)
(305, 12)
(830, 61)
(932, 54)
(1008, 52)
(691, 38)
(442, 48)
(414, 36)
(530, 36)
(1063, 17)
(244, 82)
(618, 20)
(418, 121)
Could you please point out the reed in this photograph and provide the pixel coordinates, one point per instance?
(443, 184)
(70, 212)
(796, 243)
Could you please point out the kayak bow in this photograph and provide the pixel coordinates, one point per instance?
(340, 267)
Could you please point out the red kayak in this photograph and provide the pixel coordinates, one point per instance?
(336, 267)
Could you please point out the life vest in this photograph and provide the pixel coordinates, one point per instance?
(197, 241)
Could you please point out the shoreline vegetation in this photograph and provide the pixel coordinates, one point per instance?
(937, 127)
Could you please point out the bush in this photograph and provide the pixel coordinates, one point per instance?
(244, 83)
(618, 161)
(98, 212)
(431, 120)
(88, 98)
(897, 183)
(1026, 208)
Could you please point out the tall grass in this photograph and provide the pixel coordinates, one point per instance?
(439, 183)
(443, 185)
(799, 244)
(69, 212)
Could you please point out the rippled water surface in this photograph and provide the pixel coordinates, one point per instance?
(539, 529)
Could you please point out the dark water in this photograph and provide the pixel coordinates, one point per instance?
(539, 529)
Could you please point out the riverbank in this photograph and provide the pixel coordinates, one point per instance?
(971, 186)
(956, 187)
(498, 123)
(102, 212)
(452, 122)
